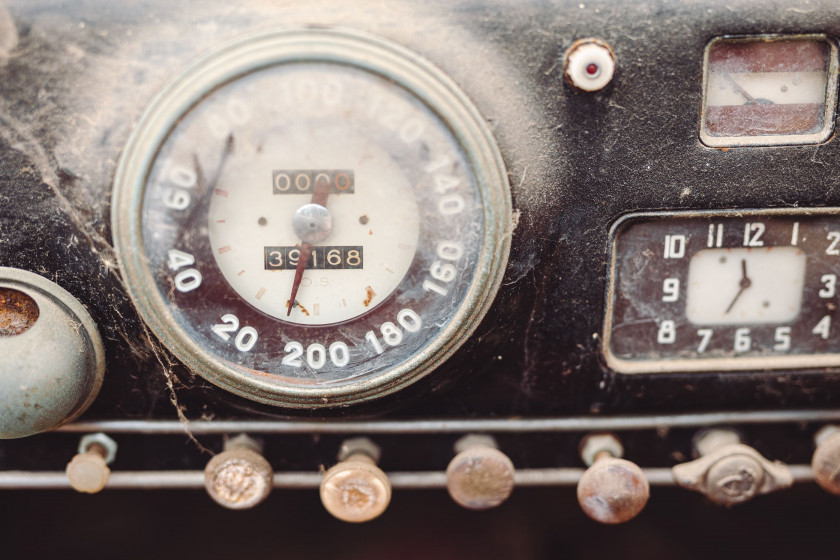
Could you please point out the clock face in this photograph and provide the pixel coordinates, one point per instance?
(724, 291)
(769, 90)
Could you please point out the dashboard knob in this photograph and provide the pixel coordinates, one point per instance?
(729, 472)
(826, 460)
(53, 360)
(239, 477)
(479, 476)
(356, 490)
(612, 490)
(88, 470)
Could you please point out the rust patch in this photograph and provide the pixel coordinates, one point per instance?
(18, 312)
(370, 295)
(302, 308)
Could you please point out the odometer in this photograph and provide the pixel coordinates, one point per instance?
(721, 291)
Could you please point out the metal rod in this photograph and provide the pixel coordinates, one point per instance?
(497, 425)
(153, 480)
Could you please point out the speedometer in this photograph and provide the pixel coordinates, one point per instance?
(312, 217)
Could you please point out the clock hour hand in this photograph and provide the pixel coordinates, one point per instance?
(745, 283)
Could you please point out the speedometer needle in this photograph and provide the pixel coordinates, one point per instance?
(319, 197)
(745, 283)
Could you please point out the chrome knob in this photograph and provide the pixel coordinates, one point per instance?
(356, 490)
(479, 476)
(826, 460)
(239, 477)
(88, 470)
(612, 490)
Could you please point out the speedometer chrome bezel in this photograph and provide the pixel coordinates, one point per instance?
(338, 46)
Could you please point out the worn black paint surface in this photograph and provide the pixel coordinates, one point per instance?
(84, 70)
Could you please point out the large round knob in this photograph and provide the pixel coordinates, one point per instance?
(479, 476)
(826, 461)
(613, 490)
(239, 477)
(356, 490)
(53, 361)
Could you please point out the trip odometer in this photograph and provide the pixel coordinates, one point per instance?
(720, 291)
(312, 217)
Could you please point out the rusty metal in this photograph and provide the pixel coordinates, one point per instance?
(613, 490)
(480, 476)
(826, 460)
(18, 312)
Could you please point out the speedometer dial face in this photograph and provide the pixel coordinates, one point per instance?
(311, 218)
(713, 291)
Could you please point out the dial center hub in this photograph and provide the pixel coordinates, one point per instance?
(312, 223)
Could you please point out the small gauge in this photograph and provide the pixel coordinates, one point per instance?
(312, 217)
(724, 291)
(767, 90)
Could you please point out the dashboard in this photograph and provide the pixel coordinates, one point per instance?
(356, 250)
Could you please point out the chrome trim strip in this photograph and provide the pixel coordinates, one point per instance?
(145, 480)
(453, 426)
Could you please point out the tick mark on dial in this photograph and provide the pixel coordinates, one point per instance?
(225, 249)
(221, 192)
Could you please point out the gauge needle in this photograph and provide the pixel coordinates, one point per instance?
(319, 197)
(738, 89)
(745, 283)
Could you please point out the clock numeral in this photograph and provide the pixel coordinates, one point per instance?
(675, 246)
(743, 342)
(752, 234)
(705, 337)
(823, 327)
(667, 333)
(782, 339)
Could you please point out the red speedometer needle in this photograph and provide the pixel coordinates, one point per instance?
(319, 197)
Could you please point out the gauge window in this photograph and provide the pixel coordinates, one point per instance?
(720, 291)
(763, 91)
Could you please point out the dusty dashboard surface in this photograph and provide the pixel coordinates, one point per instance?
(539, 250)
